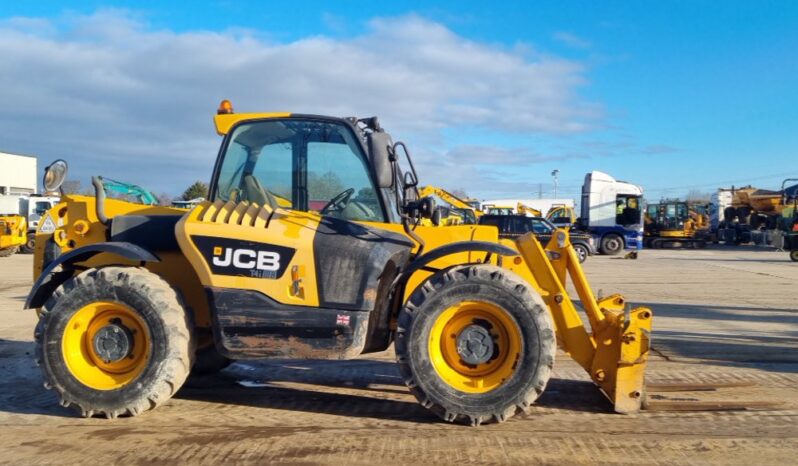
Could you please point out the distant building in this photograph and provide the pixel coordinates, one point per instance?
(181, 204)
(17, 174)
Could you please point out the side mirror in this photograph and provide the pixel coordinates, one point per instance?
(54, 175)
(380, 145)
(421, 208)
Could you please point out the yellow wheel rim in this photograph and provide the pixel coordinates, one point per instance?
(81, 356)
(449, 364)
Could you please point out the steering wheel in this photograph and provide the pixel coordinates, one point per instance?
(339, 202)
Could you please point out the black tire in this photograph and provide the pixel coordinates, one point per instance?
(581, 251)
(208, 361)
(9, 251)
(612, 244)
(170, 349)
(30, 244)
(500, 288)
(794, 255)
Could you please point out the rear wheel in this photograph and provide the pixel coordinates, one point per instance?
(794, 255)
(581, 252)
(114, 341)
(611, 244)
(475, 344)
(9, 251)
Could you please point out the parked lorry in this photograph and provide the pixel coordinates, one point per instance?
(613, 211)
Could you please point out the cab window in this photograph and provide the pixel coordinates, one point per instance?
(628, 209)
(298, 164)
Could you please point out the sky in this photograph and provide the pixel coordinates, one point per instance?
(491, 97)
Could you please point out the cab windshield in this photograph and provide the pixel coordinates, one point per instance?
(628, 210)
(306, 165)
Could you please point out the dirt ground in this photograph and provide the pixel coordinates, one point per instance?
(721, 316)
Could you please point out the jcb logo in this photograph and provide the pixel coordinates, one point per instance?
(227, 256)
(267, 261)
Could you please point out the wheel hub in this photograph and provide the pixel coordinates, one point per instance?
(113, 342)
(475, 345)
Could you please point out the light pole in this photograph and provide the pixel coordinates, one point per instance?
(554, 174)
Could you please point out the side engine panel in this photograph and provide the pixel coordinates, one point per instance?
(289, 284)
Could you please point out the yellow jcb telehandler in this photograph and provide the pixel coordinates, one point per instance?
(13, 234)
(131, 298)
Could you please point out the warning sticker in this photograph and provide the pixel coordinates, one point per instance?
(47, 225)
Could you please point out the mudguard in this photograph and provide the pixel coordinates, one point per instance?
(453, 248)
(50, 279)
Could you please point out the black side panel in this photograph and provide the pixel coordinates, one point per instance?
(151, 232)
(250, 325)
(350, 261)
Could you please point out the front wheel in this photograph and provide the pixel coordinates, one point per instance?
(114, 341)
(794, 255)
(581, 252)
(611, 244)
(475, 344)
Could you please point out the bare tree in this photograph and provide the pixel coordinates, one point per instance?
(164, 199)
(71, 187)
(695, 195)
(460, 192)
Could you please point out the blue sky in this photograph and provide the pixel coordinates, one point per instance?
(670, 95)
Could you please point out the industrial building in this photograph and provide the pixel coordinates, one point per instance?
(17, 174)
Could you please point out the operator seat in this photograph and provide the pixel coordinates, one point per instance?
(254, 192)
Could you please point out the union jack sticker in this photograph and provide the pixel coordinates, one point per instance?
(342, 320)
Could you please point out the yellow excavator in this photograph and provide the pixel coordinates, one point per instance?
(523, 209)
(13, 234)
(132, 298)
(673, 224)
(464, 210)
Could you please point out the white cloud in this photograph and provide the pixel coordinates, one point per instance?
(116, 97)
(572, 40)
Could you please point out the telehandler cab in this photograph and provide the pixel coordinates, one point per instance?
(310, 247)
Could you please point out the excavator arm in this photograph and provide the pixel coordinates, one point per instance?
(145, 197)
(460, 205)
(524, 209)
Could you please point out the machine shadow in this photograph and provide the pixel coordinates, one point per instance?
(370, 389)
